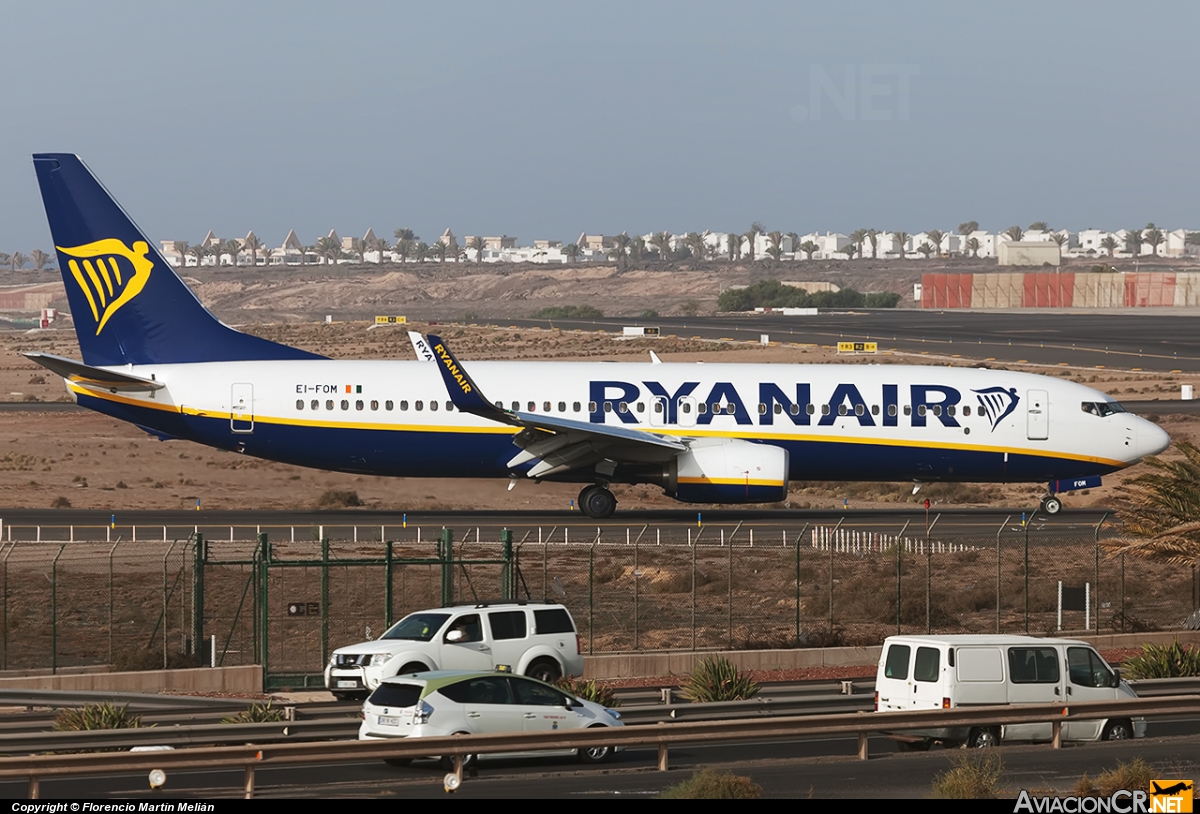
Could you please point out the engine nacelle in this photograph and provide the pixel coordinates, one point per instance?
(717, 470)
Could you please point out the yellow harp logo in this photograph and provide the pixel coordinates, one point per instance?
(109, 273)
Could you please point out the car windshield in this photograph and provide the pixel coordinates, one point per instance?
(420, 627)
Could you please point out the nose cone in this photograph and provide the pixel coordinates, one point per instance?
(1149, 439)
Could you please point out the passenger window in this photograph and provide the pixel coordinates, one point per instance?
(553, 620)
(314, 404)
(536, 695)
(622, 407)
(418, 406)
(779, 408)
(562, 407)
(811, 409)
(345, 404)
(859, 409)
(484, 690)
(908, 409)
(892, 410)
(794, 409)
(374, 404)
(358, 405)
(716, 409)
(449, 406)
(507, 624)
(922, 409)
(404, 405)
(608, 406)
(927, 664)
(641, 407)
(470, 628)
(874, 409)
(701, 408)
(686, 407)
(591, 406)
(387, 405)
(658, 407)
(575, 407)
(329, 404)
(299, 404)
(545, 406)
(967, 410)
(950, 410)
(532, 406)
(1033, 665)
(824, 409)
(730, 408)
(842, 409)
(896, 664)
(937, 409)
(516, 406)
(433, 405)
(762, 408)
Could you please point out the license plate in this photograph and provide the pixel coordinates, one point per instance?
(389, 720)
(347, 684)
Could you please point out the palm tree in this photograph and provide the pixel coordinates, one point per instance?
(926, 249)
(873, 237)
(421, 251)
(1133, 241)
(751, 235)
(858, 237)
(1109, 244)
(662, 242)
(571, 250)
(973, 245)
(329, 249)
(5, 258)
(18, 261)
(200, 251)
(775, 249)
(696, 245)
(1154, 236)
(795, 239)
(40, 259)
(359, 246)
(232, 248)
(1059, 237)
(1163, 522)
(902, 239)
(477, 244)
(1014, 233)
(378, 244)
(404, 248)
(252, 244)
(620, 250)
(966, 228)
(637, 249)
(809, 248)
(936, 237)
(405, 234)
(850, 249)
(438, 250)
(1039, 226)
(734, 245)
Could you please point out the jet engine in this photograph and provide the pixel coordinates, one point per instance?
(720, 470)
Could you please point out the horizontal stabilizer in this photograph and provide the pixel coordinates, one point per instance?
(94, 377)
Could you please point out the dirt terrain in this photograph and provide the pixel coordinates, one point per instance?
(90, 461)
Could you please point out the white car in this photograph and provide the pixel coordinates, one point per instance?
(532, 638)
(450, 702)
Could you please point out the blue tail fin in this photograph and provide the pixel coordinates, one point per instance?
(129, 305)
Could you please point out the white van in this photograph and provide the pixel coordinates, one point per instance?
(943, 672)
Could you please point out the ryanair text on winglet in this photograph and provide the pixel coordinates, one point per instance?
(448, 361)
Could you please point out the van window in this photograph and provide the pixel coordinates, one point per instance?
(926, 667)
(896, 665)
(507, 624)
(1033, 665)
(1086, 668)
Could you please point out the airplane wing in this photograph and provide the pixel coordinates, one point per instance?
(93, 377)
(557, 444)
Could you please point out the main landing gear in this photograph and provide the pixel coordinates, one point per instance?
(597, 502)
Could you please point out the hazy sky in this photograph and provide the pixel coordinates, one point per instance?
(545, 119)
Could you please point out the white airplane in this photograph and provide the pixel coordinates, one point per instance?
(706, 433)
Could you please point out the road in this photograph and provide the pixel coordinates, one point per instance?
(819, 768)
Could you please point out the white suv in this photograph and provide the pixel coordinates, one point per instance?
(533, 638)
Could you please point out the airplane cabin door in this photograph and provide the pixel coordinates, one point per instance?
(686, 412)
(241, 409)
(658, 412)
(1038, 412)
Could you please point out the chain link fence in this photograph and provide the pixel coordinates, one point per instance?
(288, 604)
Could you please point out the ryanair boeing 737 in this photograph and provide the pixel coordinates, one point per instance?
(712, 433)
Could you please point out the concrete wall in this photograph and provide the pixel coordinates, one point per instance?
(247, 679)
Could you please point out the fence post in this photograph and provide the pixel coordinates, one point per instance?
(899, 572)
(387, 585)
(111, 552)
(1026, 579)
(11, 547)
(446, 555)
(592, 596)
(999, 531)
(54, 611)
(263, 613)
(325, 599)
(636, 591)
(507, 588)
(1097, 591)
(832, 540)
(199, 555)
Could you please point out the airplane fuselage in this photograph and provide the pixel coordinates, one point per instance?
(837, 422)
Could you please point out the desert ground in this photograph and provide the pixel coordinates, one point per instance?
(90, 461)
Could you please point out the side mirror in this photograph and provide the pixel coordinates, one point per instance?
(1116, 678)
(455, 636)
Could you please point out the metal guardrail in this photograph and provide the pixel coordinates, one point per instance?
(662, 736)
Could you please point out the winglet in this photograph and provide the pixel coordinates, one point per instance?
(420, 346)
(462, 388)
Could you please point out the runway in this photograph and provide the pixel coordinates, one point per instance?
(1143, 340)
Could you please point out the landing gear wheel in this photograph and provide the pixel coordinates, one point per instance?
(597, 502)
(1051, 505)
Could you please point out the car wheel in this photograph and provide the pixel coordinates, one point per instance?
(412, 667)
(400, 762)
(1117, 731)
(468, 761)
(983, 739)
(544, 670)
(595, 754)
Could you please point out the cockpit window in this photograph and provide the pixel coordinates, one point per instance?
(1101, 408)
